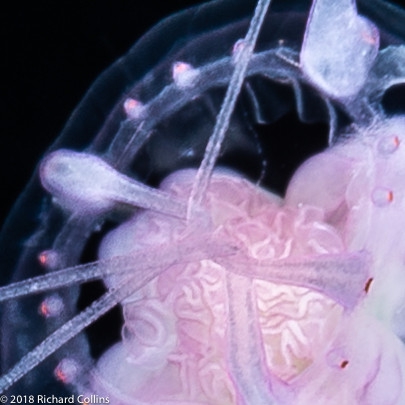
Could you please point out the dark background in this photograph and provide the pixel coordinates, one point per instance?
(51, 52)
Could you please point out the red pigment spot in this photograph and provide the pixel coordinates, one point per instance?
(368, 285)
(396, 141)
(370, 37)
(382, 196)
(60, 375)
(66, 371)
(51, 306)
(130, 104)
(48, 259)
(180, 67)
(133, 108)
(42, 258)
(344, 363)
(44, 310)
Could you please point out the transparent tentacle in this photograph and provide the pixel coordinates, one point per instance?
(139, 262)
(154, 265)
(68, 331)
(341, 277)
(101, 188)
(243, 54)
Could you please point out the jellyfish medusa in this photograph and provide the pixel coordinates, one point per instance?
(236, 285)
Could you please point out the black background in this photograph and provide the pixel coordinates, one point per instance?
(51, 52)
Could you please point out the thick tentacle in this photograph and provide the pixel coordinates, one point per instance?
(138, 263)
(243, 54)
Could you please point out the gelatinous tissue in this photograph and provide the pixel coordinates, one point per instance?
(231, 293)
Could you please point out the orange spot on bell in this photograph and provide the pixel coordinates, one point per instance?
(344, 364)
(390, 196)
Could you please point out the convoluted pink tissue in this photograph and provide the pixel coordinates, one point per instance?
(282, 320)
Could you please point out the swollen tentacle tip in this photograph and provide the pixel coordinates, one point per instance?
(80, 182)
(184, 75)
(85, 184)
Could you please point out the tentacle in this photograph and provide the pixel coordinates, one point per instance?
(62, 335)
(344, 277)
(86, 184)
(129, 284)
(138, 263)
(247, 368)
(243, 54)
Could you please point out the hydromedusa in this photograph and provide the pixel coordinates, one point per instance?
(236, 284)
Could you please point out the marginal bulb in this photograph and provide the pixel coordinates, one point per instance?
(240, 48)
(134, 108)
(382, 196)
(184, 75)
(49, 259)
(51, 306)
(336, 359)
(388, 144)
(67, 370)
